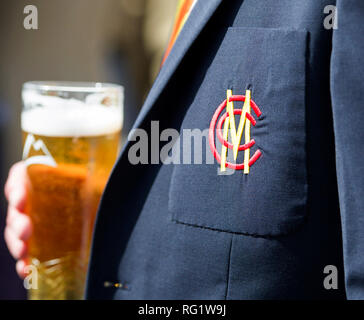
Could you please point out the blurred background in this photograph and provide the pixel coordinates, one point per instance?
(118, 41)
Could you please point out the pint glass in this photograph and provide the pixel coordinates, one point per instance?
(71, 134)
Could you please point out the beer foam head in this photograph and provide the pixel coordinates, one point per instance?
(57, 117)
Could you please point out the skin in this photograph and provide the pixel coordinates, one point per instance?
(18, 225)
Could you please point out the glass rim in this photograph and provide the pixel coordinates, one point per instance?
(71, 86)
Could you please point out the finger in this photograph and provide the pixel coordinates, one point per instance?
(15, 187)
(19, 223)
(16, 170)
(20, 265)
(17, 248)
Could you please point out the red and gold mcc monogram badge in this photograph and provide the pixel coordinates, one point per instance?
(226, 123)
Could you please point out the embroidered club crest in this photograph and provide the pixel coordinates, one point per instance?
(221, 124)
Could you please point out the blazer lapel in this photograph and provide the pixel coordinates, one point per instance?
(198, 18)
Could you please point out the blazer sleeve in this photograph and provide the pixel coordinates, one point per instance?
(347, 96)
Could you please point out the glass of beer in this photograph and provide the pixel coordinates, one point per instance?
(71, 137)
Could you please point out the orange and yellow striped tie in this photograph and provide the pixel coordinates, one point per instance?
(183, 11)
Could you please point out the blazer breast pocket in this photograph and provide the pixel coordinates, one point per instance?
(271, 199)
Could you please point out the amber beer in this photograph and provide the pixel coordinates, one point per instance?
(69, 152)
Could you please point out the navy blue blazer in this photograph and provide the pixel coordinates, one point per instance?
(181, 231)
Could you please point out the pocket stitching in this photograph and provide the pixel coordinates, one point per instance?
(289, 229)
